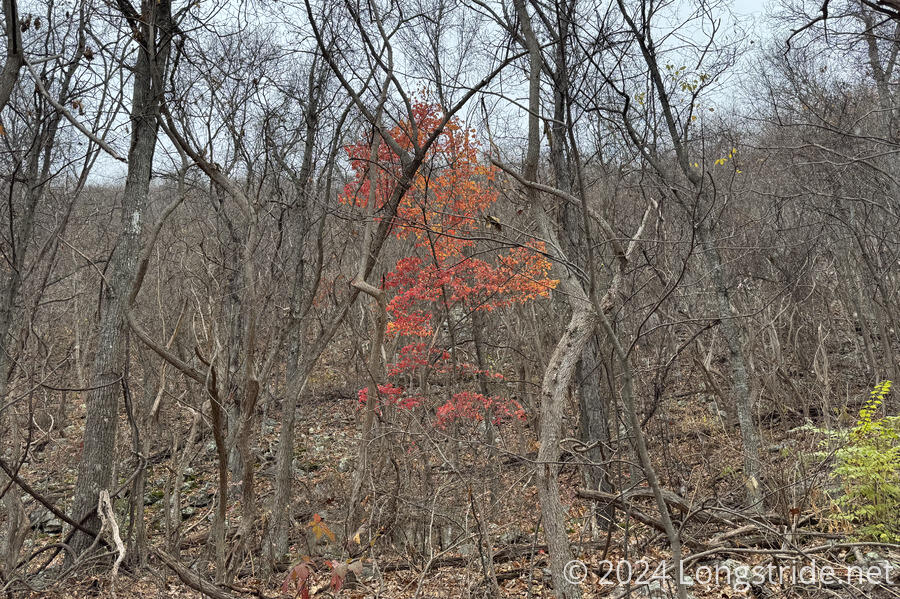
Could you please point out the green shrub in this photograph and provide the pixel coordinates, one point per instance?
(867, 467)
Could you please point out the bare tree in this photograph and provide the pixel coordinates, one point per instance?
(15, 54)
(155, 29)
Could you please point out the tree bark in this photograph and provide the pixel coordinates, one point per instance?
(740, 383)
(15, 55)
(560, 371)
(96, 467)
(554, 393)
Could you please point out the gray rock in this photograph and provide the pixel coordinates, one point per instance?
(512, 537)
(202, 500)
(657, 589)
(52, 526)
(714, 410)
(732, 565)
(777, 447)
(872, 557)
(368, 573)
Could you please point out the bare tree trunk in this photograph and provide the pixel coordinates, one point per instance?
(575, 235)
(560, 371)
(490, 434)
(375, 366)
(297, 372)
(15, 55)
(96, 467)
(37, 170)
(17, 524)
(640, 444)
(643, 35)
(284, 457)
(594, 419)
(379, 312)
(740, 384)
(558, 378)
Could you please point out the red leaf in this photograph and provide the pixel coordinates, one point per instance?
(299, 575)
(340, 572)
(336, 582)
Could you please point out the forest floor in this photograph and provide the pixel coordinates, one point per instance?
(697, 456)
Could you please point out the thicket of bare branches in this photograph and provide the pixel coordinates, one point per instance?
(684, 241)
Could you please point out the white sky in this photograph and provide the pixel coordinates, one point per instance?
(750, 7)
(749, 16)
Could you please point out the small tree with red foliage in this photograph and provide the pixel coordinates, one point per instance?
(442, 217)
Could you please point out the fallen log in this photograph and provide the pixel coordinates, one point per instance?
(637, 514)
(192, 579)
(507, 554)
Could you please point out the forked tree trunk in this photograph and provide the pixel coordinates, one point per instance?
(558, 378)
(560, 370)
(296, 372)
(96, 467)
(376, 360)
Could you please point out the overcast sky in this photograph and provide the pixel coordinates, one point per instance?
(749, 16)
(749, 7)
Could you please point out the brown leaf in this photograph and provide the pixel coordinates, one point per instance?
(356, 567)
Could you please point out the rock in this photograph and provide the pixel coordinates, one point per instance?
(52, 526)
(153, 496)
(304, 468)
(732, 565)
(656, 589)
(268, 425)
(365, 569)
(44, 521)
(872, 557)
(202, 499)
(513, 537)
(714, 410)
(778, 447)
